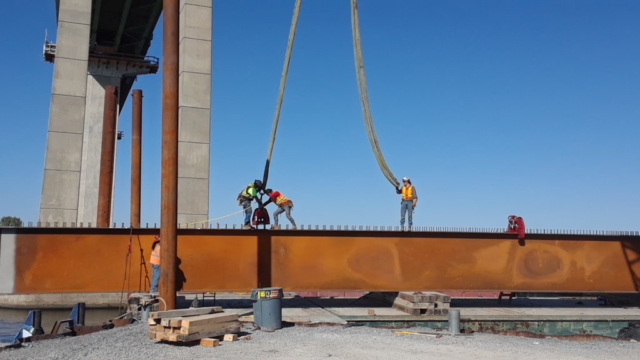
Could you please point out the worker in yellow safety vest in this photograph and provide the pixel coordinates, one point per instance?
(285, 205)
(409, 201)
(248, 194)
(155, 264)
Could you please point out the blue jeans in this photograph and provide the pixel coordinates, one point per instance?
(406, 206)
(246, 204)
(155, 277)
(280, 210)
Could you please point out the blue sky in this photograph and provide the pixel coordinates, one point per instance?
(491, 107)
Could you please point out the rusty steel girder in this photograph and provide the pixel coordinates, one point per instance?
(452, 263)
(307, 260)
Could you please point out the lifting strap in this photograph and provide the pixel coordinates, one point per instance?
(283, 82)
(362, 88)
(364, 96)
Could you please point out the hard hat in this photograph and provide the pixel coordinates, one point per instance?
(257, 183)
(268, 191)
(406, 179)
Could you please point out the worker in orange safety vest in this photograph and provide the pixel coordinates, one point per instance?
(409, 201)
(285, 205)
(155, 264)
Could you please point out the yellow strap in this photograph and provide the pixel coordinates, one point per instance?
(283, 83)
(221, 217)
(417, 333)
(364, 96)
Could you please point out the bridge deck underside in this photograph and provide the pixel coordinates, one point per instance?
(122, 27)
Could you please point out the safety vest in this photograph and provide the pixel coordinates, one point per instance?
(281, 200)
(407, 193)
(245, 192)
(155, 256)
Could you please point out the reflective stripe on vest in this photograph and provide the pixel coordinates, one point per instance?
(245, 192)
(155, 256)
(407, 193)
(281, 200)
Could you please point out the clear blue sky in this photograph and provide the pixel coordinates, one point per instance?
(491, 107)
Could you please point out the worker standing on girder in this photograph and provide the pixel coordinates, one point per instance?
(284, 206)
(155, 264)
(409, 201)
(248, 194)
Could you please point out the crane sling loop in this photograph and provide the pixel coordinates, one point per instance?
(364, 96)
(362, 88)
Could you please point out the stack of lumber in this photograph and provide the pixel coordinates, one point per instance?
(192, 324)
(422, 303)
(416, 302)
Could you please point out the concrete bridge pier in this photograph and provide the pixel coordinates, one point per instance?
(87, 58)
(194, 110)
(65, 138)
(101, 74)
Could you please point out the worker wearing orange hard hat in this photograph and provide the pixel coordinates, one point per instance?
(409, 201)
(155, 264)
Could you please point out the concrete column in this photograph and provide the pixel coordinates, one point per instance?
(59, 201)
(97, 80)
(195, 110)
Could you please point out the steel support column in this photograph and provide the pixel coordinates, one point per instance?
(105, 189)
(136, 157)
(169, 184)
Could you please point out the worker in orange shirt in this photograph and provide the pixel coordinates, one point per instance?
(155, 264)
(284, 206)
(409, 201)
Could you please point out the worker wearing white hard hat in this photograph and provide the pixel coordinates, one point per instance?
(409, 201)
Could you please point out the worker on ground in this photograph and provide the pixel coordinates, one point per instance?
(155, 264)
(284, 206)
(409, 201)
(248, 194)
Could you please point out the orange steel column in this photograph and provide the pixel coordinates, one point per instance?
(107, 155)
(169, 184)
(136, 157)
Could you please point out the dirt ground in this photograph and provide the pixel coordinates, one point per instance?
(334, 342)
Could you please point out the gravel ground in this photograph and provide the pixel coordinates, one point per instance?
(355, 343)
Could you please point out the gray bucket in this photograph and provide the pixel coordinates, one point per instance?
(267, 308)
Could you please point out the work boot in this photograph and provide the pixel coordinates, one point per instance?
(247, 227)
(275, 227)
(294, 227)
(409, 228)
